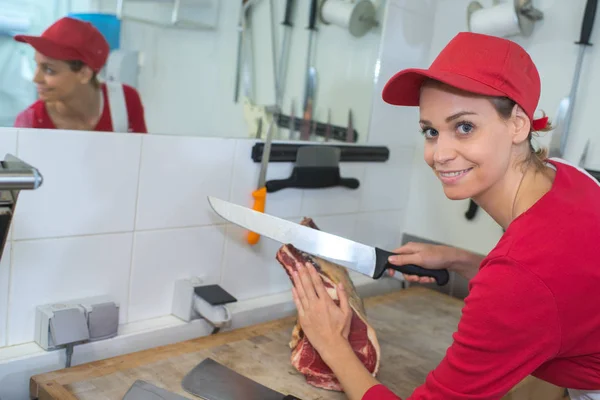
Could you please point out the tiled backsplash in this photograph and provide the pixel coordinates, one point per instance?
(127, 215)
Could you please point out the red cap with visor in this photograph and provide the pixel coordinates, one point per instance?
(476, 63)
(71, 39)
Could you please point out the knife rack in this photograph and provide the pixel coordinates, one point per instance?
(317, 167)
(312, 178)
(287, 152)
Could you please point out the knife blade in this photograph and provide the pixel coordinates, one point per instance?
(364, 259)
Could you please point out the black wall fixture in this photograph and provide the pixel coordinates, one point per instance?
(286, 152)
(472, 211)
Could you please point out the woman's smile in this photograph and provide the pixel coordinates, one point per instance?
(452, 176)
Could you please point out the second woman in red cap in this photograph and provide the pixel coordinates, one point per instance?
(69, 55)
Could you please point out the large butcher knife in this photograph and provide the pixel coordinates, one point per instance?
(211, 380)
(367, 260)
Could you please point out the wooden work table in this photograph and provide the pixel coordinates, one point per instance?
(414, 328)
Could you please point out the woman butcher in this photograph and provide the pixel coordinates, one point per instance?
(534, 305)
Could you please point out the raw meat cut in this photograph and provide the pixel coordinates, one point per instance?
(362, 336)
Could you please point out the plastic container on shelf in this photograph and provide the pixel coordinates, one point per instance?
(108, 24)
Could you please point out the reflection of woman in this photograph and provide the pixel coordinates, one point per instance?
(69, 55)
(532, 307)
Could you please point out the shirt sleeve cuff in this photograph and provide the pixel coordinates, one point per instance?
(379, 392)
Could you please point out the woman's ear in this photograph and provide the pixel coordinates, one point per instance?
(521, 125)
(85, 75)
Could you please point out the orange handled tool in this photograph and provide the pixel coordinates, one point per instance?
(260, 197)
(260, 194)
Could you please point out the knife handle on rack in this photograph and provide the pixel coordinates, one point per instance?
(260, 198)
(441, 276)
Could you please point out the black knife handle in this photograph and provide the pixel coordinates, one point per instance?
(289, 6)
(441, 276)
(290, 397)
(588, 22)
(312, 17)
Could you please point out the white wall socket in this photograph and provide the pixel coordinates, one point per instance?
(44, 313)
(183, 298)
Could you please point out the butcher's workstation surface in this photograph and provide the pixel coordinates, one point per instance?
(414, 328)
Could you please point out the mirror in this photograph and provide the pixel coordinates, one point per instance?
(182, 58)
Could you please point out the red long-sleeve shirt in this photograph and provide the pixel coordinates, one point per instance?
(36, 115)
(534, 306)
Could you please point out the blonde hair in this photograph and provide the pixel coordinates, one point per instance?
(504, 107)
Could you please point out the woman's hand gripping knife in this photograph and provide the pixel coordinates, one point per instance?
(327, 326)
(432, 256)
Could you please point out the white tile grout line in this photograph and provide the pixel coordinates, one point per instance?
(135, 215)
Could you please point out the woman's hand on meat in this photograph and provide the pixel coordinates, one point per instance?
(325, 324)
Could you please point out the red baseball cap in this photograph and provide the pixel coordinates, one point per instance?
(476, 63)
(71, 39)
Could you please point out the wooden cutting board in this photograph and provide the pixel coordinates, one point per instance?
(414, 328)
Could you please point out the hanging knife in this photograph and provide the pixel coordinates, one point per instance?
(260, 194)
(367, 260)
(350, 128)
(285, 46)
(311, 74)
(328, 127)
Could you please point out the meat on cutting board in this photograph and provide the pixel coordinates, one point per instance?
(362, 336)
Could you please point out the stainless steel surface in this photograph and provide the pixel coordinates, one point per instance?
(238, 68)
(211, 380)
(273, 36)
(18, 175)
(328, 127)
(356, 256)
(292, 123)
(350, 128)
(283, 62)
(558, 142)
(309, 102)
(310, 72)
(318, 156)
(265, 156)
(15, 175)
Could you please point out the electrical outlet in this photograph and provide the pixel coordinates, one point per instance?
(193, 299)
(100, 317)
(183, 298)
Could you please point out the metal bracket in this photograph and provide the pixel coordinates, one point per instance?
(526, 14)
(175, 21)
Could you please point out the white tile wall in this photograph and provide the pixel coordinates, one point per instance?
(90, 184)
(382, 228)
(336, 200)
(177, 174)
(284, 203)
(163, 227)
(161, 257)
(385, 185)
(4, 291)
(251, 271)
(59, 269)
(8, 141)
(126, 215)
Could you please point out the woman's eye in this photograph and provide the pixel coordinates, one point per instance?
(465, 128)
(429, 133)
